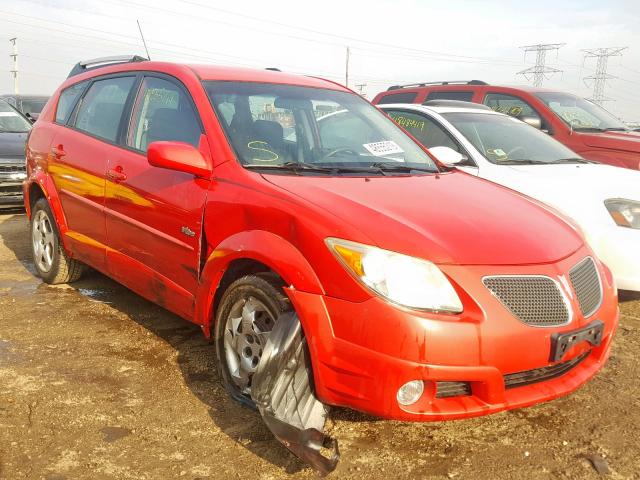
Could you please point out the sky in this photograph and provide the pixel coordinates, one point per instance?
(390, 41)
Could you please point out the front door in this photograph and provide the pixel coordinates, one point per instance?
(154, 215)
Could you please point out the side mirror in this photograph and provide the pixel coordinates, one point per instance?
(535, 122)
(447, 155)
(31, 117)
(178, 156)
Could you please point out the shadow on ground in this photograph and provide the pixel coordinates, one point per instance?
(196, 355)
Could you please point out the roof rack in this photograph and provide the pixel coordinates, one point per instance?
(447, 82)
(455, 104)
(86, 65)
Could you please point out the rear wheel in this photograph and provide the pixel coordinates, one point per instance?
(247, 313)
(51, 262)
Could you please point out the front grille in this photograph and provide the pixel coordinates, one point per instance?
(586, 283)
(513, 380)
(534, 300)
(12, 169)
(519, 379)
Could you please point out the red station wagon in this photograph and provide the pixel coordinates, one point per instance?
(581, 125)
(333, 265)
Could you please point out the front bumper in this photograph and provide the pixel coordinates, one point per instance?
(618, 248)
(362, 353)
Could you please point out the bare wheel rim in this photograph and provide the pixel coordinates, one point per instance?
(43, 240)
(245, 335)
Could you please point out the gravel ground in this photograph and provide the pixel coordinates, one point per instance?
(96, 382)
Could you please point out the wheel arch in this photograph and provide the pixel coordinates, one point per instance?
(249, 252)
(41, 186)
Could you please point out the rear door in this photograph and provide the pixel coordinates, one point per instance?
(154, 215)
(89, 116)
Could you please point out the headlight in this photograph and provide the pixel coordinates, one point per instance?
(626, 213)
(407, 281)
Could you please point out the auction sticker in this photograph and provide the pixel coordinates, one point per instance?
(382, 149)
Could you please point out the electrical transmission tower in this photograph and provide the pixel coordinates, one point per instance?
(539, 72)
(361, 87)
(601, 76)
(14, 57)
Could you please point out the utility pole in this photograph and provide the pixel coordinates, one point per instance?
(601, 76)
(346, 70)
(361, 87)
(539, 72)
(14, 57)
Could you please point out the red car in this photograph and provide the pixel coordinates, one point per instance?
(581, 125)
(334, 263)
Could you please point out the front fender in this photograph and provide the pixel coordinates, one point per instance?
(265, 247)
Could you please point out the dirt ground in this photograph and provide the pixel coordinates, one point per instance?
(96, 382)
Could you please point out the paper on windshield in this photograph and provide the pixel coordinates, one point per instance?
(383, 149)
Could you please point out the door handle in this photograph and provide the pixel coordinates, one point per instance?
(58, 151)
(116, 174)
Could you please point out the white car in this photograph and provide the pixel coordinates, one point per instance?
(603, 200)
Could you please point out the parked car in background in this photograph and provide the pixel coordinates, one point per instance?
(581, 125)
(603, 200)
(332, 266)
(14, 128)
(29, 105)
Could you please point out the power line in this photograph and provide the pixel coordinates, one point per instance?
(601, 76)
(539, 72)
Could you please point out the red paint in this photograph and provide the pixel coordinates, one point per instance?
(133, 217)
(621, 149)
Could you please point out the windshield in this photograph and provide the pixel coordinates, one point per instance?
(11, 120)
(311, 130)
(32, 105)
(506, 140)
(580, 114)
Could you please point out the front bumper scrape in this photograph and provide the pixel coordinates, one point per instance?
(282, 389)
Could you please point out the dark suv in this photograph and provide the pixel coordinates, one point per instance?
(581, 125)
(14, 128)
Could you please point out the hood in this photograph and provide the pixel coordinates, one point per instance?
(578, 190)
(626, 141)
(12, 146)
(451, 218)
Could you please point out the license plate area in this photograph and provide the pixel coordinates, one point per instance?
(561, 343)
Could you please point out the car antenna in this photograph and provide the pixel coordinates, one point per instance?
(143, 41)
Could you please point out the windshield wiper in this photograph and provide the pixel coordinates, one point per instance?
(295, 167)
(522, 161)
(571, 160)
(394, 167)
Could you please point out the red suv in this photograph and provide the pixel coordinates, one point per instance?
(334, 261)
(582, 126)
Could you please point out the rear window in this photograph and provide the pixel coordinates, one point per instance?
(450, 95)
(398, 98)
(67, 101)
(101, 109)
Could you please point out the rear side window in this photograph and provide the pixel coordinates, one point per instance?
(162, 112)
(67, 101)
(398, 98)
(100, 111)
(450, 95)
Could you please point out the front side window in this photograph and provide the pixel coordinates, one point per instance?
(11, 121)
(67, 101)
(508, 141)
(581, 114)
(425, 130)
(509, 105)
(277, 126)
(100, 111)
(162, 112)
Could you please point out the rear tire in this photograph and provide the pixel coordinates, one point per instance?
(247, 313)
(53, 265)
